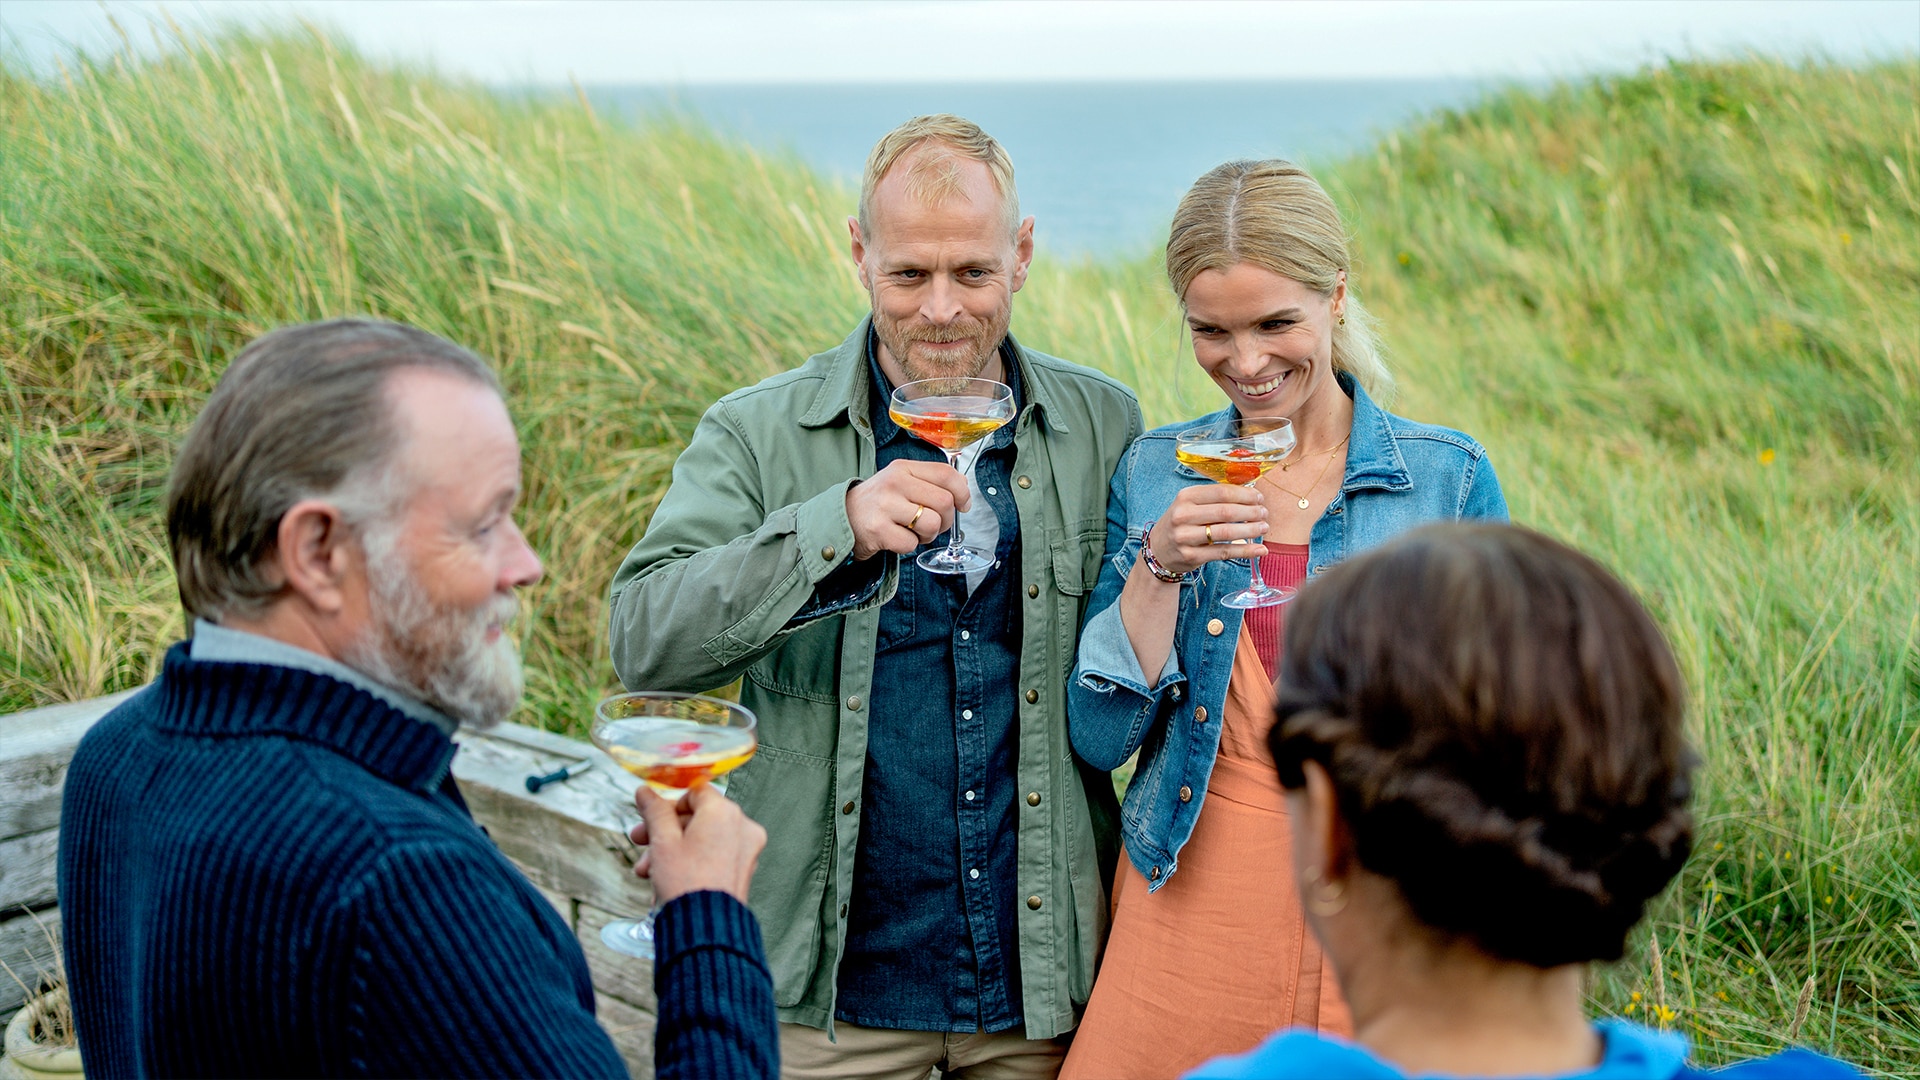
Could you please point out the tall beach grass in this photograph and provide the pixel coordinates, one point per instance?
(1681, 308)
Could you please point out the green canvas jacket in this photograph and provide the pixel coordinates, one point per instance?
(754, 518)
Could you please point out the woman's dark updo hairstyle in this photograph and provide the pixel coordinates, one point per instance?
(1501, 721)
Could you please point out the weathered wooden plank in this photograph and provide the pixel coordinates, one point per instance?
(27, 867)
(614, 974)
(632, 1031)
(35, 747)
(567, 906)
(569, 839)
(27, 955)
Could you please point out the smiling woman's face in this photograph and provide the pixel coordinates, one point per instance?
(1267, 340)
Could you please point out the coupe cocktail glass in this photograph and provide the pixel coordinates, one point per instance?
(671, 741)
(1240, 451)
(952, 414)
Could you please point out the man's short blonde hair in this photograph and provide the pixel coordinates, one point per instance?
(934, 177)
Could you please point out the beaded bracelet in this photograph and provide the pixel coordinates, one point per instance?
(1153, 564)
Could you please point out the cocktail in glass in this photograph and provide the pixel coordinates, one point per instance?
(1240, 451)
(671, 741)
(952, 414)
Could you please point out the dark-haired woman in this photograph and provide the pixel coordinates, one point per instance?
(1209, 951)
(1484, 796)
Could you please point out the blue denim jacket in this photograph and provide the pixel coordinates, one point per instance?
(1399, 475)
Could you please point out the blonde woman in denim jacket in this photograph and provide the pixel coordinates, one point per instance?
(1209, 950)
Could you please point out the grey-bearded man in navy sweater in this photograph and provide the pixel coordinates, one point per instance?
(265, 866)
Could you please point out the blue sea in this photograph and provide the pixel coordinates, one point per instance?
(1100, 166)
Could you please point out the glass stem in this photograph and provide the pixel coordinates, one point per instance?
(1258, 584)
(953, 537)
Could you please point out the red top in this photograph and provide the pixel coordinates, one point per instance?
(1284, 566)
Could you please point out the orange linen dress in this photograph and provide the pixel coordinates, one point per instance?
(1221, 956)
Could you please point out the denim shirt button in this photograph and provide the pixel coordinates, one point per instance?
(1215, 626)
(1186, 793)
(1199, 714)
(1153, 874)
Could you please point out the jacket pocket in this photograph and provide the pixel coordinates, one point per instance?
(1076, 560)
(806, 665)
(791, 795)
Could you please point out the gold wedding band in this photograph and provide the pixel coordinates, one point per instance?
(1209, 529)
(915, 520)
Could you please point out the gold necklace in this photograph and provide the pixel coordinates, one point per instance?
(1304, 503)
(1287, 466)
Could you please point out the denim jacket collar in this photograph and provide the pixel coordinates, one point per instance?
(844, 394)
(1374, 460)
(1373, 454)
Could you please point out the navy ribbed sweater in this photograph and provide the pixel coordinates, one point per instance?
(267, 872)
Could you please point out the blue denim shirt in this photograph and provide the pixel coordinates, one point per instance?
(931, 935)
(1400, 474)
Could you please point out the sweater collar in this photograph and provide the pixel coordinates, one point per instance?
(221, 699)
(219, 644)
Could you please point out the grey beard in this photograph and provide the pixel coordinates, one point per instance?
(438, 655)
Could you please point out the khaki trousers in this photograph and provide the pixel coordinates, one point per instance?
(861, 1053)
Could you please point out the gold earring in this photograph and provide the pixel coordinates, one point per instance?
(1343, 320)
(1324, 898)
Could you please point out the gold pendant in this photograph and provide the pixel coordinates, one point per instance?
(1303, 504)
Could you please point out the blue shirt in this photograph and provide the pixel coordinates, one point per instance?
(931, 940)
(1630, 1052)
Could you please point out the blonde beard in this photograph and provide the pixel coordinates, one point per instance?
(437, 654)
(899, 343)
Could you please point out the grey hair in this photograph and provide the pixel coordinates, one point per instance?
(300, 413)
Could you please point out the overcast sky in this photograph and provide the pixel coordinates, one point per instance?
(597, 41)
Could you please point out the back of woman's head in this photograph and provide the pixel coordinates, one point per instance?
(1276, 216)
(1501, 721)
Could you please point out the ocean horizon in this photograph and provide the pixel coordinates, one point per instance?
(1100, 166)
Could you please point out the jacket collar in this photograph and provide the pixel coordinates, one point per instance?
(234, 699)
(843, 394)
(1373, 454)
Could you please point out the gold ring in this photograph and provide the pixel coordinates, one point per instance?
(1209, 534)
(915, 520)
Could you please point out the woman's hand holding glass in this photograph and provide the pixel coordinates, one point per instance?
(1207, 523)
